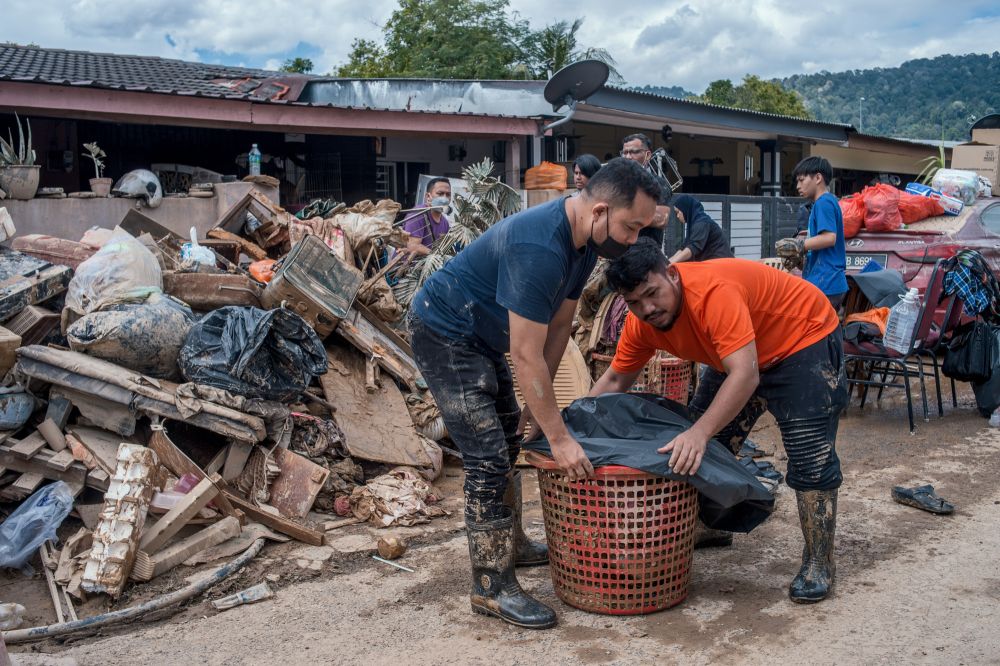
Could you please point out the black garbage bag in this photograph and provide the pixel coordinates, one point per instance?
(626, 429)
(270, 354)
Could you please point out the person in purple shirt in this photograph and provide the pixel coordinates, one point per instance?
(428, 225)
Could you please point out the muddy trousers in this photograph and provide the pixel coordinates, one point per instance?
(474, 390)
(805, 393)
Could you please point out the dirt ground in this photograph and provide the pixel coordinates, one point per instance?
(911, 587)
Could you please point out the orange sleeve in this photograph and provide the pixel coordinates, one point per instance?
(727, 321)
(634, 347)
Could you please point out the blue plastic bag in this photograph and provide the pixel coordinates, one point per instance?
(33, 523)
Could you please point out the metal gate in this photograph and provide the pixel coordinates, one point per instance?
(752, 224)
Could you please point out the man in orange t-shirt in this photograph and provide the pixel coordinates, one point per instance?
(768, 341)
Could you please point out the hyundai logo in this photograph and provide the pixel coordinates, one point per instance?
(855, 242)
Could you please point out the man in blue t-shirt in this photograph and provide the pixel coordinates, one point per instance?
(823, 249)
(515, 289)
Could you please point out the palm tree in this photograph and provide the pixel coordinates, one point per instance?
(555, 46)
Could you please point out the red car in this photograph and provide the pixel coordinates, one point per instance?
(914, 251)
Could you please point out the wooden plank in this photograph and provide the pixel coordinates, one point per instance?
(176, 553)
(236, 459)
(372, 342)
(41, 464)
(62, 460)
(174, 459)
(292, 528)
(25, 484)
(29, 446)
(194, 501)
(215, 464)
(294, 490)
(377, 426)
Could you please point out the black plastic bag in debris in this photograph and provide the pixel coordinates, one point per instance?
(271, 354)
(626, 429)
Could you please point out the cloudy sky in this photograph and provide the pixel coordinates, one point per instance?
(658, 42)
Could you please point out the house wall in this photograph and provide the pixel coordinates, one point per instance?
(70, 218)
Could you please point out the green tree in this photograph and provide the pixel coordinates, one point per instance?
(297, 65)
(555, 46)
(452, 39)
(756, 94)
(366, 61)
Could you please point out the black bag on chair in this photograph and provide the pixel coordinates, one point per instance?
(969, 355)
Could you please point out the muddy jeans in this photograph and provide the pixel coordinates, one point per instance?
(474, 390)
(805, 393)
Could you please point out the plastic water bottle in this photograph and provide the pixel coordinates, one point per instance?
(902, 320)
(254, 161)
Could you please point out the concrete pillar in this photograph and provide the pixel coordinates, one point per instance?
(770, 168)
(514, 162)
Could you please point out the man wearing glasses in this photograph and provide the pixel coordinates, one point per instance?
(638, 148)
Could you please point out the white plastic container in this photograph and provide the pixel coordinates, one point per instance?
(902, 320)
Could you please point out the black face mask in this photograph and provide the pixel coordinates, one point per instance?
(609, 248)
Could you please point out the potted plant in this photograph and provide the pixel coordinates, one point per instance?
(18, 171)
(100, 186)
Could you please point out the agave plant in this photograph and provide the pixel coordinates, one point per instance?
(929, 166)
(488, 202)
(24, 155)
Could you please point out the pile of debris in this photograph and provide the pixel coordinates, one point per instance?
(250, 379)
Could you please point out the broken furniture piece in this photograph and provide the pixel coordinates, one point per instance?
(116, 539)
(125, 387)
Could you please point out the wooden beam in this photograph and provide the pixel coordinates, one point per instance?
(171, 556)
(29, 446)
(170, 523)
(278, 523)
(42, 464)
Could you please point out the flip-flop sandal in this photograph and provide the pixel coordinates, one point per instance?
(922, 497)
(761, 469)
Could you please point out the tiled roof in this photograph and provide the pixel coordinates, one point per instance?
(141, 73)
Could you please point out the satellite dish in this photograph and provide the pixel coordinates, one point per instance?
(574, 83)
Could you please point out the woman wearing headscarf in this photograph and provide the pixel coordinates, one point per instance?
(703, 238)
(584, 168)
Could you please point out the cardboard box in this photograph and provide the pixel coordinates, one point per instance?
(982, 158)
(989, 136)
(535, 197)
(9, 342)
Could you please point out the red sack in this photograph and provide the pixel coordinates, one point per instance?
(913, 207)
(853, 210)
(546, 176)
(882, 208)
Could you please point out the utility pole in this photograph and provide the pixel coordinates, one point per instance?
(861, 117)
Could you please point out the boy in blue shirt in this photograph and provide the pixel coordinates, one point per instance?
(515, 289)
(823, 250)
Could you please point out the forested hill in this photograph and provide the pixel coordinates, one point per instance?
(915, 100)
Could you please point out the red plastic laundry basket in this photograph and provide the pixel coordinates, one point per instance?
(664, 375)
(620, 543)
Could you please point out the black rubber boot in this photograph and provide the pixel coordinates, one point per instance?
(818, 516)
(495, 590)
(527, 553)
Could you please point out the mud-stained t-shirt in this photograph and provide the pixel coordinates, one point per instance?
(526, 264)
(728, 303)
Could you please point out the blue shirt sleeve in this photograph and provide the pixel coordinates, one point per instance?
(824, 214)
(529, 279)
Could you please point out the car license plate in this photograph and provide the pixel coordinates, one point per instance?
(855, 261)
